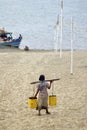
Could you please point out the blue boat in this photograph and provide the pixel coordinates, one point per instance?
(6, 39)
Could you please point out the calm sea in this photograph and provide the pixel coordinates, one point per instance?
(36, 19)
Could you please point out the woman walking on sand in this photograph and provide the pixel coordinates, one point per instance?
(43, 94)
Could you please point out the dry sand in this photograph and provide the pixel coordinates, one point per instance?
(19, 68)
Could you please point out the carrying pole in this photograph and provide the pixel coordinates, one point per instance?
(45, 80)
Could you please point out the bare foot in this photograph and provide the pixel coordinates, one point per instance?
(39, 114)
(48, 113)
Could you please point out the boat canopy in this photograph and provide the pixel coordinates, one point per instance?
(2, 31)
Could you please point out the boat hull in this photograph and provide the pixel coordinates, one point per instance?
(14, 43)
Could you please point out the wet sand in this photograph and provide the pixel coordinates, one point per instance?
(19, 68)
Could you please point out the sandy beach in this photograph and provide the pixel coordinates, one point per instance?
(19, 68)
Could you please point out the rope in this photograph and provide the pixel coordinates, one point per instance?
(52, 88)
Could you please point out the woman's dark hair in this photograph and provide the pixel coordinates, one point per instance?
(42, 77)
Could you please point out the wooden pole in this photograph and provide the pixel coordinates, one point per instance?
(56, 34)
(71, 68)
(61, 29)
(49, 80)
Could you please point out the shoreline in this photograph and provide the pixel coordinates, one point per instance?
(14, 49)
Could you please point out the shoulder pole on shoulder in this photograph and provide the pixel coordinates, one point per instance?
(49, 80)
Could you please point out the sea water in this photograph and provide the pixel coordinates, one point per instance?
(36, 21)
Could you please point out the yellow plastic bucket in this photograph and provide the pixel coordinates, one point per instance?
(52, 100)
(32, 102)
